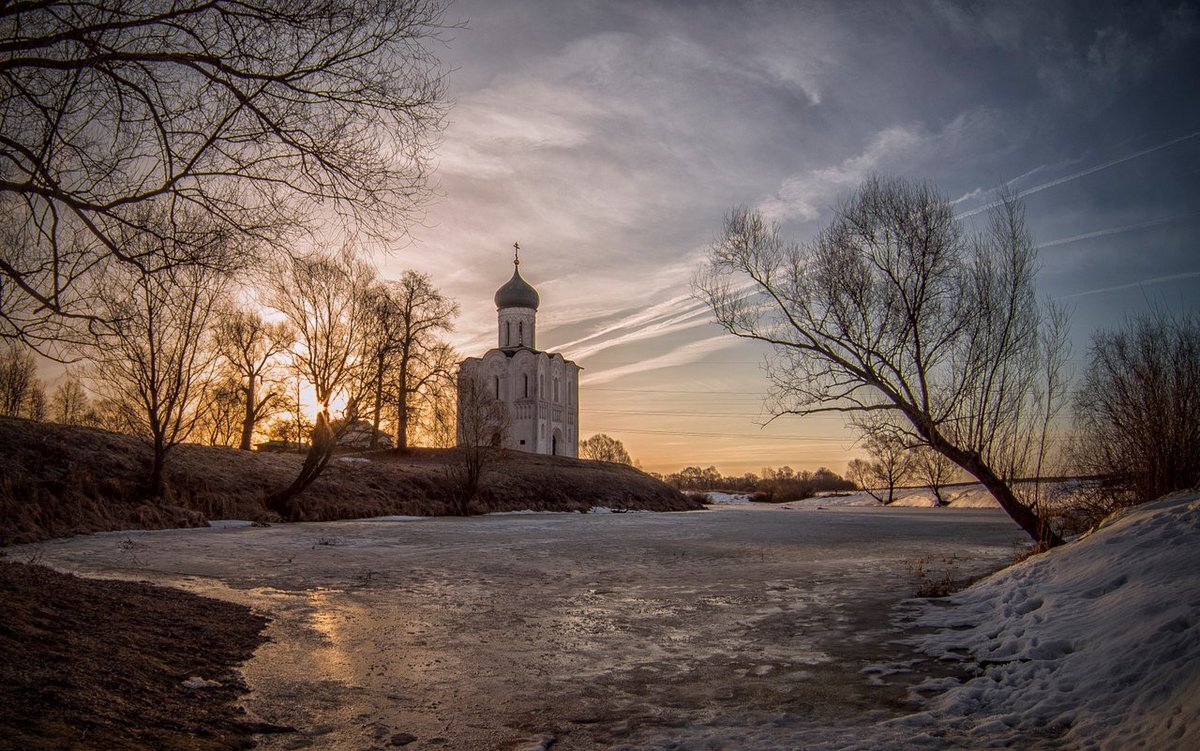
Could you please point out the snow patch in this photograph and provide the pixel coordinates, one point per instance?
(716, 497)
(1098, 640)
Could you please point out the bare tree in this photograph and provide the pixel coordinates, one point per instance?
(405, 319)
(483, 421)
(862, 474)
(263, 114)
(251, 345)
(70, 403)
(891, 462)
(220, 421)
(432, 395)
(18, 376)
(935, 470)
(604, 448)
(150, 353)
(893, 310)
(323, 297)
(1137, 408)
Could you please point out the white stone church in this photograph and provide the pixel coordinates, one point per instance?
(539, 389)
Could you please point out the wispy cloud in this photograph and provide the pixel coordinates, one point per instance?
(804, 196)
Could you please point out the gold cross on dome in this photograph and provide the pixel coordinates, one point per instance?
(516, 254)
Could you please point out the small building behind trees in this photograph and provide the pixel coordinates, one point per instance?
(538, 390)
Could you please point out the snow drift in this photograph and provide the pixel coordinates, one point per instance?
(1093, 645)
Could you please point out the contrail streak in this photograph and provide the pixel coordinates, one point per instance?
(1086, 172)
(1116, 230)
(1143, 283)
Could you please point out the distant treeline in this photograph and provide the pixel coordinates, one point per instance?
(771, 486)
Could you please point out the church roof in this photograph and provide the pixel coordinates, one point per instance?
(516, 292)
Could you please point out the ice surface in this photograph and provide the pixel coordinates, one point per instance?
(599, 630)
(747, 626)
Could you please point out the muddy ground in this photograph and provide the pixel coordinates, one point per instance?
(592, 631)
(111, 665)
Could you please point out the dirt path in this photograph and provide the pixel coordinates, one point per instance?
(596, 631)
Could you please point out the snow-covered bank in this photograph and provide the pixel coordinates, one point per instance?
(1098, 641)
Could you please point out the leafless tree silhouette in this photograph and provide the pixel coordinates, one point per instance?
(323, 298)
(151, 350)
(893, 310)
(250, 346)
(1137, 408)
(483, 421)
(935, 470)
(266, 115)
(405, 317)
(604, 448)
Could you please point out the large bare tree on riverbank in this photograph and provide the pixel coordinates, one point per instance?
(323, 297)
(250, 345)
(268, 116)
(150, 348)
(893, 311)
(413, 313)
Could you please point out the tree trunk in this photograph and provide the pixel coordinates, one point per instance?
(938, 500)
(1033, 524)
(378, 405)
(315, 461)
(248, 421)
(402, 407)
(1037, 528)
(158, 466)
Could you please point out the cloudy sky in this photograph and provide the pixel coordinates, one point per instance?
(611, 138)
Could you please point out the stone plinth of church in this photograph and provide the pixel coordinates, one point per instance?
(539, 390)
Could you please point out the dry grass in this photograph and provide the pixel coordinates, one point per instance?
(58, 480)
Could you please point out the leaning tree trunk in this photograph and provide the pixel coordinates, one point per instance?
(319, 454)
(1028, 519)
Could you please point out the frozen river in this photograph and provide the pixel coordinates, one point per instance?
(597, 631)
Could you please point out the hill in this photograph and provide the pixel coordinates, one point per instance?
(60, 480)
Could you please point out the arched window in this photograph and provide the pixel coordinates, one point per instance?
(521, 333)
(507, 333)
(496, 379)
(526, 377)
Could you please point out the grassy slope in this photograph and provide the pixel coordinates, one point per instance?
(58, 480)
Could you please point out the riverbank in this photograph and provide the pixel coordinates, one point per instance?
(91, 664)
(62, 480)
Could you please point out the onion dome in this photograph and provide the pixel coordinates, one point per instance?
(516, 292)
